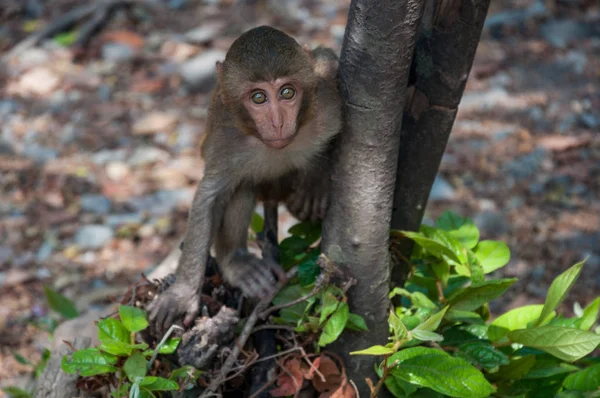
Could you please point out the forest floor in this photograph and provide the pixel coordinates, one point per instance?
(99, 148)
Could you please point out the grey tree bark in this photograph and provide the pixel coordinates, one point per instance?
(448, 38)
(374, 68)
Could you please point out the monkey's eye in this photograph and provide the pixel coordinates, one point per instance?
(259, 97)
(287, 93)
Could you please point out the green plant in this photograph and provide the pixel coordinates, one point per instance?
(126, 362)
(442, 342)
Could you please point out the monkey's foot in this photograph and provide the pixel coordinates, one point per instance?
(256, 278)
(269, 245)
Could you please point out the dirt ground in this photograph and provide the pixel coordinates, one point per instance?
(99, 147)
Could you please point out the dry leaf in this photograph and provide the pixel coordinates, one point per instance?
(560, 143)
(290, 382)
(127, 37)
(332, 374)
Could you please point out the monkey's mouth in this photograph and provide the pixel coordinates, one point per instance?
(278, 144)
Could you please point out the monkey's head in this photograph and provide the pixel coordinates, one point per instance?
(267, 80)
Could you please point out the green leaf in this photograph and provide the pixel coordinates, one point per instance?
(468, 317)
(432, 246)
(425, 335)
(335, 325)
(111, 329)
(330, 304)
(492, 255)
(584, 380)
(293, 250)
(310, 231)
(170, 346)
(564, 343)
(356, 323)
(475, 268)
(308, 269)
(514, 319)
(484, 354)
(135, 366)
(460, 228)
(558, 291)
(60, 303)
(441, 269)
(66, 39)
(16, 392)
(590, 315)
(435, 369)
(121, 391)
(133, 318)
(288, 294)
(119, 348)
(549, 367)
(433, 322)
(153, 383)
(516, 369)
(185, 372)
(257, 223)
(474, 296)
(89, 362)
(375, 350)
(417, 298)
(398, 328)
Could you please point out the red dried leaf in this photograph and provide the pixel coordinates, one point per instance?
(345, 391)
(290, 381)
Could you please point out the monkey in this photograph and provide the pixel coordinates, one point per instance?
(273, 119)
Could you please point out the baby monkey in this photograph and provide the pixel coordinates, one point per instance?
(271, 122)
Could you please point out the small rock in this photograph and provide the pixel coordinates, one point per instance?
(147, 155)
(32, 57)
(161, 202)
(117, 171)
(205, 33)
(590, 120)
(39, 154)
(98, 204)
(516, 17)
(561, 33)
(38, 81)
(45, 250)
(441, 190)
(491, 224)
(515, 203)
(526, 165)
(117, 52)
(83, 326)
(119, 220)
(6, 254)
(93, 236)
(200, 71)
(536, 188)
(154, 122)
(109, 155)
(178, 51)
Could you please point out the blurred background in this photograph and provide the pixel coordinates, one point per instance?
(99, 152)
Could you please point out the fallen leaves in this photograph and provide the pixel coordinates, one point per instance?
(559, 143)
(322, 373)
(154, 122)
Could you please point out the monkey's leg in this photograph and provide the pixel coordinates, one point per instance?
(239, 267)
(267, 238)
(183, 296)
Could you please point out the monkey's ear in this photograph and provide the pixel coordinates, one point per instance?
(219, 66)
(309, 53)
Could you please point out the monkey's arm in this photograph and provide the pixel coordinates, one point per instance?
(183, 297)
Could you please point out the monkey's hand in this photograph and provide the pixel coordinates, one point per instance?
(180, 300)
(253, 276)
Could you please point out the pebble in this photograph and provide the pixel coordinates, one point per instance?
(39, 154)
(491, 224)
(117, 171)
(119, 220)
(561, 33)
(117, 52)
(93, 236)
(161, 202)
(526, 165)
(109, 155)
(205, 33)
(441, 189)
(92, 203)
(199, 72)
(154, 122)
(147, 155)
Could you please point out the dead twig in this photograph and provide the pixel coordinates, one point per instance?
(101, 12)
(244, 335)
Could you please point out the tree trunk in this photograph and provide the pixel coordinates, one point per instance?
(54, 383)
(374, 68)
(444, 54)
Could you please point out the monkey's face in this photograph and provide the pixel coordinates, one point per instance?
(274, 107)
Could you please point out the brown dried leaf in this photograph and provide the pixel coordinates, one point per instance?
(290, 381)
(559, 143)
(333, 376)
(126, 37)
